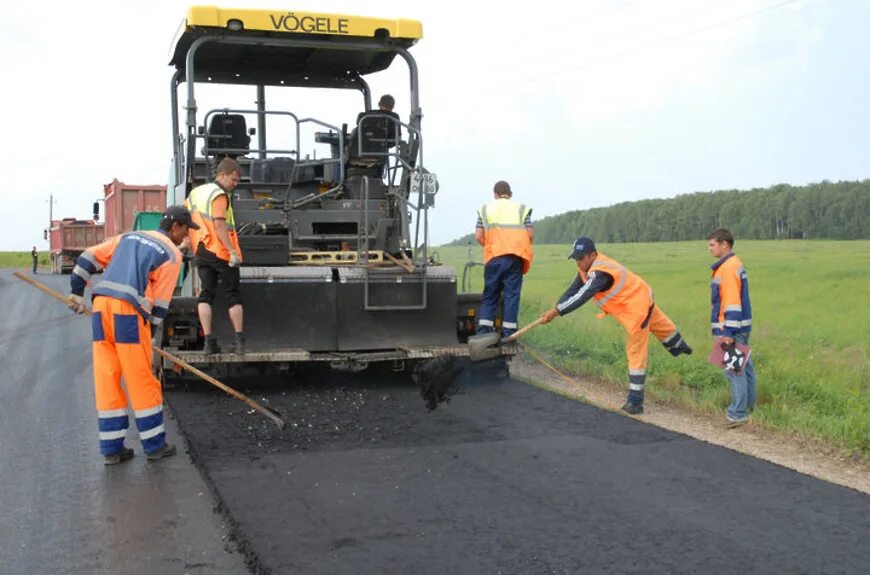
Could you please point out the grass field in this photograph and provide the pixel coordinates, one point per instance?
(22, 259)
(809, 340)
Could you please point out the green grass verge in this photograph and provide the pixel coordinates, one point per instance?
(23, 259)
(809, 342)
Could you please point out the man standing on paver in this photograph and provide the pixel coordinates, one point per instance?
(731, 320)
(629, 299)
(141, 271)
(504, 229)
(218, 256)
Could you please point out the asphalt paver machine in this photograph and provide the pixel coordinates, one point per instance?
(335, 245)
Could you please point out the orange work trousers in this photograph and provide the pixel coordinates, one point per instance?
(637, 344)
(122, 347)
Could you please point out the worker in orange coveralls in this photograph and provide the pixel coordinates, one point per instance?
(629, 299)
(140, 271)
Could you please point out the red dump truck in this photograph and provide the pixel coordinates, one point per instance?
(69, 237)
(124, 201)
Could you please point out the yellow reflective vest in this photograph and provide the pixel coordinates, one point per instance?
(504, 223)
(199, 202)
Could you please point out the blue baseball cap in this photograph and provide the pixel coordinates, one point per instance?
(582, 246)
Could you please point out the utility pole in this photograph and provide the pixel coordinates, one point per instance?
(47, 233)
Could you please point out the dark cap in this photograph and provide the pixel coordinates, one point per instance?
(179, 215)
(502, 188)
(582, 246)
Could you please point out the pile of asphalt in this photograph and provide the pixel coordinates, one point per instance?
(438, 379)
(321, 408)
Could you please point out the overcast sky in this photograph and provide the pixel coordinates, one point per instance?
(577, 105)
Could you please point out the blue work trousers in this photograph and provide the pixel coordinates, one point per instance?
(502, 275)
(742, 385)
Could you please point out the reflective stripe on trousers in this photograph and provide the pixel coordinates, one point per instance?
(502, 276)
(122, 347)
(637, 350)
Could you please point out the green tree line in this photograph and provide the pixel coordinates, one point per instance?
(830, 210)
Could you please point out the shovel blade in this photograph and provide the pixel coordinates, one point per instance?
(484, 347)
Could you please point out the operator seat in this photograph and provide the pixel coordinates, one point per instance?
(227, 134)
(378, 136)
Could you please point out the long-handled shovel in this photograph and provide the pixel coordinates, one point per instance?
(267, 411)
(485, 346)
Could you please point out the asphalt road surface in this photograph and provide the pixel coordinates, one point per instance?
(506, 478)
(61, 509)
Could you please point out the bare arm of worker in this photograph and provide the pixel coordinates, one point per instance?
(480, 236)
(220, 228)
(219, 209)
(531, 232)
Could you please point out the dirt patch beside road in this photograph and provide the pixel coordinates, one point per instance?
(813, 458)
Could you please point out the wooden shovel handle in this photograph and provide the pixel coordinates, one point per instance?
(267, 411)
(523, 330)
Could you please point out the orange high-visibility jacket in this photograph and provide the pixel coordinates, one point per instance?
(732, 310)
(629, 299)
(504, 223)
(199, 202)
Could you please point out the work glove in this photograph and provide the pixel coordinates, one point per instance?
(77, 304)
(235, 259)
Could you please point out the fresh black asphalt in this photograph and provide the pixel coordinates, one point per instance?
(506, 478)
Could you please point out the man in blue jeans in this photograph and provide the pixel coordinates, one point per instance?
(504, 229)
(731, 320)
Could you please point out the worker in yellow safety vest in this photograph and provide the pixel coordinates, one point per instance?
(218, 256)
(504, 229)
(629, 299)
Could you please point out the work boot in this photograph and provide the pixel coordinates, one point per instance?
(680, 348)
(211, 345)
(632, 408)
(676, 345)
(683, 347)
(167, 450)
(120, 457)
(239, 343)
